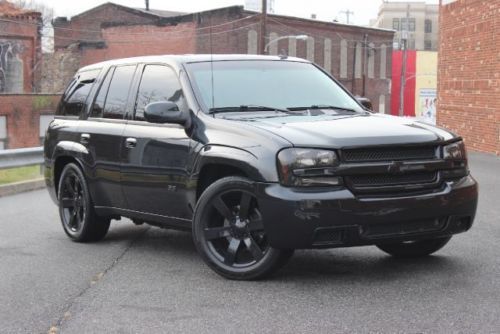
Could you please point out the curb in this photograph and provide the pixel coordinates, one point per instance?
(20, 187)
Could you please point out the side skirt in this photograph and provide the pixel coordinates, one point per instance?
(148, 218)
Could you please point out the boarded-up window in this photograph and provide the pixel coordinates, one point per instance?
(357, 65)
(252, 42)
(292, 46)
(381, 104)
(343, 58)
(371, 60)
(310, 49)
(383, 61)
(273, 46)
(328, 55)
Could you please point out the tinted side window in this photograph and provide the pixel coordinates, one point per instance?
(158, 83)
(98, 106)
(116, 99)
(74, 98)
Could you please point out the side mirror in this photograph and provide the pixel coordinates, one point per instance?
(164, 112)
(365, 102)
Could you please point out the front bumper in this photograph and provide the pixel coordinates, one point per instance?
(298, 218)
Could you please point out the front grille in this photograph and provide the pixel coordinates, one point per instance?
(388, 154)
(381, 180)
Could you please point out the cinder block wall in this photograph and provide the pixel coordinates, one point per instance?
(469, 72)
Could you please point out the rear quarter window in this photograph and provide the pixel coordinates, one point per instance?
(75, 97)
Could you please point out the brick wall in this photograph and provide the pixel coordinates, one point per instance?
(20, 50)
(228, 30)
(87, 25)
(22, 112)
(469, 72)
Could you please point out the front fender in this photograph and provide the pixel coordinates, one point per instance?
(259, 169)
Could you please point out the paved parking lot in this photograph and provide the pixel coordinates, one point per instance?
(148, 280)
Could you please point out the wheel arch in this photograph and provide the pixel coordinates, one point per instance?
(215, 162)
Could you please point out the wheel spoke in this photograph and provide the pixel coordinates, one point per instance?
(232, 249)
(256, 225)
(223, 209)
(217, 232)
(254, 248)
(69, 186)
(67, 202)
(245, 202)
(72, 219)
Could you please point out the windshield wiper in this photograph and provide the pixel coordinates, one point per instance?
(245, 108)
(322, 106)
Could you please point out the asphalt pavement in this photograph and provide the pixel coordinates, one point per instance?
(143, 279)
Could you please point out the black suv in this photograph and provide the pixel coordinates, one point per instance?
(256, 155)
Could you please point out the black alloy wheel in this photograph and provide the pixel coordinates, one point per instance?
(76, 209)
(229, 233)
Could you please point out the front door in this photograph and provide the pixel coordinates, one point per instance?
(155, 177)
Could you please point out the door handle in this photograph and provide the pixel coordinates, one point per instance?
(130, 142)
(84, 138)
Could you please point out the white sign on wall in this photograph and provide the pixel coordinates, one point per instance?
(3, 131)
(427, 105)
(44, 123)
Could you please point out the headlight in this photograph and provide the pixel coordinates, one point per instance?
(456, 154)
(455, 151)
(307, 167)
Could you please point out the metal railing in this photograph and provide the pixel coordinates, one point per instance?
(20, 157)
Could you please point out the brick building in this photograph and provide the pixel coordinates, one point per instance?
(359, 57)
(469, 72)
(20, 48)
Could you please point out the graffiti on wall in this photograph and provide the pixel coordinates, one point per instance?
(11, 67)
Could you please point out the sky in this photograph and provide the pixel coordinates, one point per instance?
(326, 10)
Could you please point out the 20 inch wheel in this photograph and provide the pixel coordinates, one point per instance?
(416, 248)
(229, 234)
(76, 210)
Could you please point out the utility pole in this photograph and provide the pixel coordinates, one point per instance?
(404, 40)
(347, 13)
(147, 5)
(263, 28)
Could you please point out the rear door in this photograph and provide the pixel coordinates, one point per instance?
(102, 134)
(154, 171)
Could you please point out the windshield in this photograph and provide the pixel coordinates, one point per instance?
(271, 84)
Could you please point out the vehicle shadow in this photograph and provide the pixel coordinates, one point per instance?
(358, 264)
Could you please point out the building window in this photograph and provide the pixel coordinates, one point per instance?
(412, 24)
(3, 132)
(406, 26)
(395, 24)
(428, 26)
(427, 45)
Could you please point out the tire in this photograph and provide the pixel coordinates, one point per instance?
(229, 235)
(419, 248)
(76, 209)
